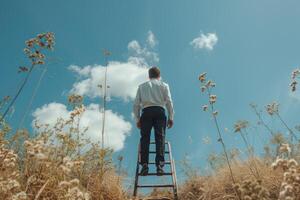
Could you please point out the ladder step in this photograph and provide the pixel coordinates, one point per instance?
(155, 174)
(153, 163)
(149, 186)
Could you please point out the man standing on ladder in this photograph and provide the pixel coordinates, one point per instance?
(152, 98)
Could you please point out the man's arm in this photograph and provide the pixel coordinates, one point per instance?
(169, 106)
(137, 107)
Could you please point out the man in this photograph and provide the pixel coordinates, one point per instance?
(152, 97)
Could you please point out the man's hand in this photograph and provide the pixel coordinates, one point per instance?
(139, 124)
(170, 123)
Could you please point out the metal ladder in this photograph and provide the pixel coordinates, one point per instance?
(172, 173)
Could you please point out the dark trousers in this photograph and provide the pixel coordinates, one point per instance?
(155, 117)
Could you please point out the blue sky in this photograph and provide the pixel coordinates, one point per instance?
(257, 49)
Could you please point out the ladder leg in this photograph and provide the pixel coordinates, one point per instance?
(137, 173)
(175, 183)
(173, 171)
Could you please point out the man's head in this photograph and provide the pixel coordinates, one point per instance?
(154, 72)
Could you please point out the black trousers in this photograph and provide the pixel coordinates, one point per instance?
(155, 117)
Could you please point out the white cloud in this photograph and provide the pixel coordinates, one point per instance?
(205, 41)
(151, 40)
(145, 55)
(45, 116)
(116, 128)
(122, 77)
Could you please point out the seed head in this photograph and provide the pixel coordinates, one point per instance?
(202, 77)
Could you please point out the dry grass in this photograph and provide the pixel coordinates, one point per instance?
(272, 183)
(56, 165)
(219, 184)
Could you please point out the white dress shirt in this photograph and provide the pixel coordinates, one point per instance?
(153, 93)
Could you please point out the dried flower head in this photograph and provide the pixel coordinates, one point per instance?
(295, 75)
(293, 85)
(252, 190)
(202, 77)
(210, 84)
(285, 148)
(272, 108)
(239, 125)
(215, 113)
(35, 46)
(75, 100)
(212, 99)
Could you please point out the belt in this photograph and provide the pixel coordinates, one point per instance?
(153, 107)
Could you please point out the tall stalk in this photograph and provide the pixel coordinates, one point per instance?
(33, 51)
(76, 101)
(273, 109)
(221, 139)
(207, 86)
(251, 154)
(240, 127)
(106, 53)
(291, 132)
(17, 94)
(120, 159)
(261, 120)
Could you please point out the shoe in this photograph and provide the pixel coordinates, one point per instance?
(144, 170)
(159, 171)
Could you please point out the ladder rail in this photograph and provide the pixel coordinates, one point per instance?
(173, 171)
(136, 182)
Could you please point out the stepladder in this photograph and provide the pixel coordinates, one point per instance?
(172, 172)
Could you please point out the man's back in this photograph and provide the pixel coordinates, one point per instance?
(153, 93)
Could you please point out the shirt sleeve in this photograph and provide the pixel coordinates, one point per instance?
(137, 105)
(169, 103)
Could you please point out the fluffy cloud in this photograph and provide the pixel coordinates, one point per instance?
(205, 41)
(116, 128)
(151, 40)
(144, 55)
(122, 77)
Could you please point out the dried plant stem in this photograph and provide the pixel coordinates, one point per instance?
(224, 147)
(262, 121)
(292, 134)
(225, 151)
(119, 170)
(221, 138)
(33, 51)
(18, 93)
(253, 173)
(32, 97)
(222, 142)
(41, 190)
(251, 156)
(78, 136)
